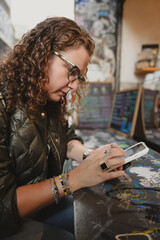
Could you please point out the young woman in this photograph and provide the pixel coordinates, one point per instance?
(48, 63)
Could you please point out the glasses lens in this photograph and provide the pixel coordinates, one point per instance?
(73, 74)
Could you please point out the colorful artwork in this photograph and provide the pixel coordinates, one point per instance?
(127, 208)
(99, 18)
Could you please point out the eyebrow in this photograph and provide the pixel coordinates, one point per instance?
(70, 63)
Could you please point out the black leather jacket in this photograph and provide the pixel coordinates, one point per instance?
(23, 157)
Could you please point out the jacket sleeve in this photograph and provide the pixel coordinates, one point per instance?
(9, 218)
(71, 135)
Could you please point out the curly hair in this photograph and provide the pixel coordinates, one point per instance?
(24, 71)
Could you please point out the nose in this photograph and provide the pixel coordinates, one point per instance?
(73, 85)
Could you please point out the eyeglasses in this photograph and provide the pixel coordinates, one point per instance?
(74, 73)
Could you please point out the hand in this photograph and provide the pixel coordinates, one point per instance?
(89, 173)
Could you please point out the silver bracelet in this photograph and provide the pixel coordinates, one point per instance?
(87, 153)
(54, 190)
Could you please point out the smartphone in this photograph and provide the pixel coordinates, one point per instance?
(136, 151)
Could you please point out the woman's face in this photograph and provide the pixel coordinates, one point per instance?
(59, 85)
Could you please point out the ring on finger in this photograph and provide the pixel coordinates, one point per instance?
(111, 145)
(103, 166)
(106, 151)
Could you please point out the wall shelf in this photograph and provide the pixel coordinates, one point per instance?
(146, 70)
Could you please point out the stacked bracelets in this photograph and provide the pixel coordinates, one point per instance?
(65, 186)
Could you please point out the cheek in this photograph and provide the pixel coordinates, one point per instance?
(57, 79)
(51, 86)
(53, 76)
(56, 83)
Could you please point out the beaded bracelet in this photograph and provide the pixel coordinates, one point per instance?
(67, 183)
(63, 184)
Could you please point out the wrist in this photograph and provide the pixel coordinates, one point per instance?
(74, 182)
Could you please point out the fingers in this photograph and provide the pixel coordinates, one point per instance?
(104, 160)
(99, 166)
(111, 145)
(107, 156)
(115, 161)
(112, 167)
(111, 158)
(111, 164)
(104, 150)
(113, 174)
(113, 153)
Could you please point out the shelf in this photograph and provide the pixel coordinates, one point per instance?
(146, 70)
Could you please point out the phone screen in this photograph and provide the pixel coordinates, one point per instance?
(134, 150)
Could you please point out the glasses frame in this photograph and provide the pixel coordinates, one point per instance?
(80, 77)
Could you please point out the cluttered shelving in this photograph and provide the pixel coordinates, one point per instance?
(148, 60)
(146, 70)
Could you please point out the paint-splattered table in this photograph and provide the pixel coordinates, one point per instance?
(127, 208)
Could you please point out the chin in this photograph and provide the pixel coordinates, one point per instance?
(54, 98)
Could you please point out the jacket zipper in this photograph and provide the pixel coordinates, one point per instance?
(56, 151)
